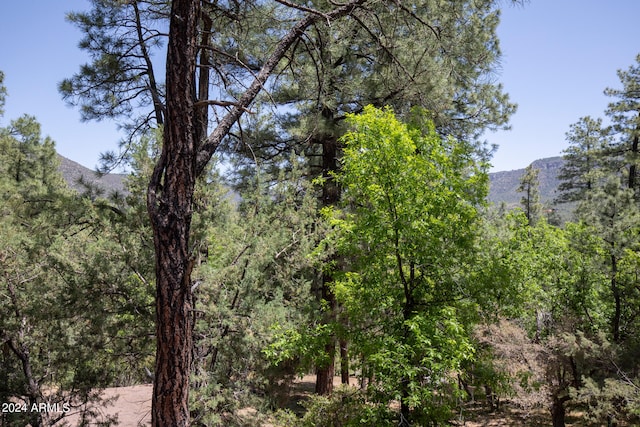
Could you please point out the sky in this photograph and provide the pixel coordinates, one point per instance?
(558, 57)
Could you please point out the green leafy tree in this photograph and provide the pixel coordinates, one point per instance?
(401, 59)
(602, 176)
(559, 292)
(411, 228)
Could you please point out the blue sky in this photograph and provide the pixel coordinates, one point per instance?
(558, 57)
(39, 49)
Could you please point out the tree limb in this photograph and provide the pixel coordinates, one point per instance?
(214, 139)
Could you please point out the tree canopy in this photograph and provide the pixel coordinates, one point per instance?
(307, 193)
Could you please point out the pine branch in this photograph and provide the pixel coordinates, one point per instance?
(212, 142)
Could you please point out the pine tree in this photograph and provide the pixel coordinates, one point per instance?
(611, 211)
(584, 159)
(327, 78)
(124, 41)
(531, 199)
(68, 286)
(3, 94)
(625, 115)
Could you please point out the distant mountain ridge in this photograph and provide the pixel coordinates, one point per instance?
(74, 173)
(503, 185)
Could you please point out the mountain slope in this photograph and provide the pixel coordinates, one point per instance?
(503, 185)
(74, 173)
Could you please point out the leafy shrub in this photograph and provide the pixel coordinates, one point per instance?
(346, 407)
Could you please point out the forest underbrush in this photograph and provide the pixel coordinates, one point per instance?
(132, 405)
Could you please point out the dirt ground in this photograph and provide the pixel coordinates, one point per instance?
(133, 407)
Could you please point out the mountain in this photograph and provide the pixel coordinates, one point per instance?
(74, 174)
(503, 185)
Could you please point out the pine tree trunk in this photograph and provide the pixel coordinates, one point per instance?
(633, 169)
(344, 361)
(174, 333)
(615, 290)
(325, 373)
(330, 197)
(169, 201)
(184, 156)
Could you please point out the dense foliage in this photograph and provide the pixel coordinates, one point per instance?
(75, 310)
(409, 229)
(347, 211)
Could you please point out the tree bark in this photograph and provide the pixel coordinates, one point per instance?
(330, 197)
(633, 168)
(21, 351)
(615, 290)
(344, 361)
(326, 371)
(169, 201)
(558, 411)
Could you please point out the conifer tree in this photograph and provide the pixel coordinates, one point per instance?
(611, 210)
(3, 93)
(74, 277)
(624, 112)
(123, 41)
(584, 159)
(531, 198)
(327, 78)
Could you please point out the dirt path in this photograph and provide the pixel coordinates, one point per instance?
(132, 405)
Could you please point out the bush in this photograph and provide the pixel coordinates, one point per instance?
(346, 407)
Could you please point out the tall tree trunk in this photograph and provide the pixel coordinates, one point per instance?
(633, 168)
(330, 197)
(408, 312)
(615, 290)
(326, 371)
(169, 200)
(344, 361)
